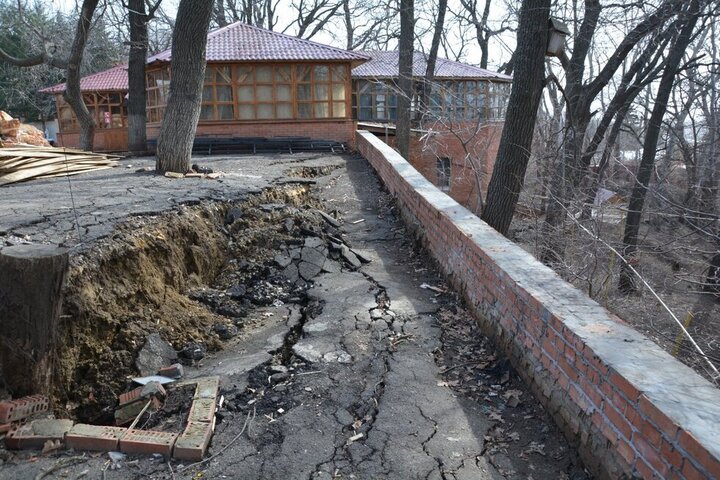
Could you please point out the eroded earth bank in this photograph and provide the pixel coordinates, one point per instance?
(340, 351)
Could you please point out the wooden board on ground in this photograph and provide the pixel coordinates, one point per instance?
(19, 164)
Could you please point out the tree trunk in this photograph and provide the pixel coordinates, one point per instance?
(137, 135)
(73, 95)
(627, 280)
(31, 284)
(516, 139)
(405, 82)
(426, 87)
(187, 68)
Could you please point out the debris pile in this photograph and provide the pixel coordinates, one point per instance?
(130, 438)
(14, 132)
(22, 163)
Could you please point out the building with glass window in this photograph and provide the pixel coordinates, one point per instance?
(261, 84)
(258, 83)
(458, 118)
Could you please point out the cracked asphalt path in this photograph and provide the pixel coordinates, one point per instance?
(366, 397)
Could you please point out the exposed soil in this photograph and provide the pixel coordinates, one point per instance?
(137, 283)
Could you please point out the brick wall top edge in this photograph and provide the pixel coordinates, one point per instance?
(684, 396)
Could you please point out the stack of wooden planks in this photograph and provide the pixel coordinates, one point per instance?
(18, 164)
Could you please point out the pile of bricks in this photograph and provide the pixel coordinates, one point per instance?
(190, 445)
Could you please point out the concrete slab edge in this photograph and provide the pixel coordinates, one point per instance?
(632, 408)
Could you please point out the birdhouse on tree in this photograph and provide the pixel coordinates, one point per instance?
(556, 40)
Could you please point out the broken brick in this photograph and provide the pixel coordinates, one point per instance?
(147, 442)
(21, 408)
(175, 370)
(94, 437)
(36, 433)
(194, 441)
(131, 396)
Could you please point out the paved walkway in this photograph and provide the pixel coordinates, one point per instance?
(369, 395)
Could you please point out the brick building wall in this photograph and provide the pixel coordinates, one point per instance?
(336, 130)
(471, 150)
(631, 408)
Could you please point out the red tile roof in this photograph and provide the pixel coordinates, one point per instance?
(240, 43)
(113, 79)
(385, 65)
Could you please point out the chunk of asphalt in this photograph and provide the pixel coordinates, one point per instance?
(155, 354)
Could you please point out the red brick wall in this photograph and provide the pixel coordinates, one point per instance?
(471, 149)
(631, 408)
(339, 130)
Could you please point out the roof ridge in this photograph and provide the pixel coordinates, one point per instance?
(290, 37)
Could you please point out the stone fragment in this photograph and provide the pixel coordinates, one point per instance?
(193, 351)
(282, 261)
(174, 175)
(155, 354)
(376, 314)
(237, 292)
(233, 215)
(350, 257)
(225, 332)
(279, 377)
(313, 255)
(314, 242)
(153, 389)
(361, 256)
(278, 368)
(308, 271)
(127, 413)
(331, 266)
(291, 273)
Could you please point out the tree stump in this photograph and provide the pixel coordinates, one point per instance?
(31, 286)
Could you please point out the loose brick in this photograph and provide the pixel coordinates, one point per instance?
(129, 397)
(22, 408)
(36, 433)
(193, 442)
(94, 437)
(202, 410)
(146, 442)
(175, 370)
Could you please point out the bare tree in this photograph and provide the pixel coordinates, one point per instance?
(479, 19)
(138, 20)
(177, 132)
(690, 18)
(516, 140)
(405, 80)
(72, 65)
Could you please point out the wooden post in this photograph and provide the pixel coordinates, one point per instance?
(31, 286)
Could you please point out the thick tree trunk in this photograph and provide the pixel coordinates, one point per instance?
(187, 67)
(31, 284)
(516, 140)
(137, 135)
(405, 82)
(72, 95)
(627, 282)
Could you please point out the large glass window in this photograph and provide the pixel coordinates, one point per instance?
(376, 101)
(320, 91)
(217, 96)
(107, 108)
(158, 87)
